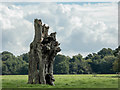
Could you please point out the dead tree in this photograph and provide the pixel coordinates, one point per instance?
(42, 53)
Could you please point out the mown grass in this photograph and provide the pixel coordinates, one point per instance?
(64, 81)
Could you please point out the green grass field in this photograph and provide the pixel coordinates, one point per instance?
(64, 81)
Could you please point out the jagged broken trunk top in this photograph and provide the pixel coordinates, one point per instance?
(42, 53)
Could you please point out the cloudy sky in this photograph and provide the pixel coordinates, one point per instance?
(81, 27)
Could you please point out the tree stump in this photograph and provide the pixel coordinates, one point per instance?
(42, 53)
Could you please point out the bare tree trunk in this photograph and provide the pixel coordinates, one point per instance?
(43, 50)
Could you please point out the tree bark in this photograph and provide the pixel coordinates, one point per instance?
(43, 50)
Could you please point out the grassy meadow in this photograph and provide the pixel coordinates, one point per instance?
(64, 81)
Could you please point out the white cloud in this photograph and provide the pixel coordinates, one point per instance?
(80, 28)
(60, 1)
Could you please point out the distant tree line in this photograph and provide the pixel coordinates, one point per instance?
(106, 61)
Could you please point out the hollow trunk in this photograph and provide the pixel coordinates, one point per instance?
(43, 50)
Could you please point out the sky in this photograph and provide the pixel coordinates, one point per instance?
(81, 27)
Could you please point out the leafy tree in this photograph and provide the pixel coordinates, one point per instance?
(105, 61)
(105, 52)
(116, 64)
(24, 57)
(61, 64)
(107, 64)
(78, 65)
(89, 56)
(11, 64)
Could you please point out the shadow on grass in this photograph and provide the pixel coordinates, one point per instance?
(117, 76)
